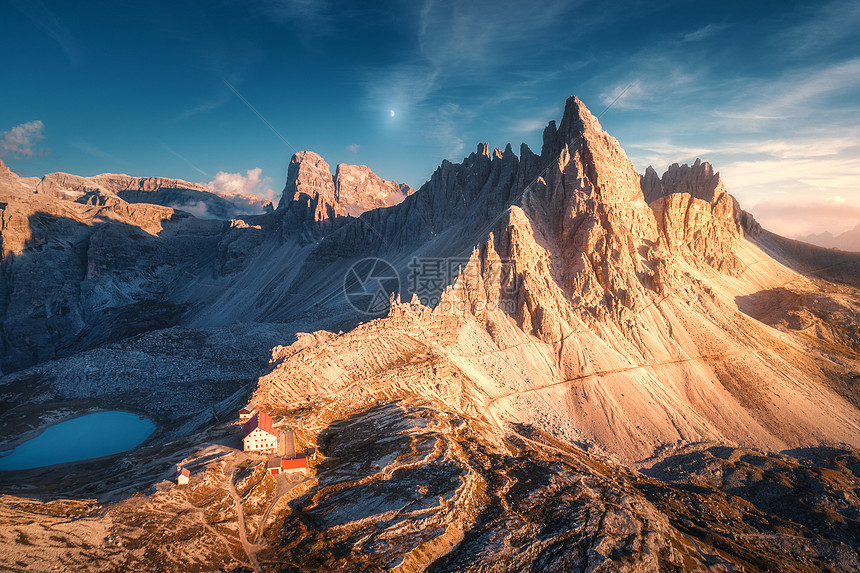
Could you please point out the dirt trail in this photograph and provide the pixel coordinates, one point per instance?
(250, 549)
(284, 487)
(704, 358)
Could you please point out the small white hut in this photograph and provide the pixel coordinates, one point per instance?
(246, 412)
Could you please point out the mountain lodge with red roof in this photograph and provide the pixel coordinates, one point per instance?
(258, 434)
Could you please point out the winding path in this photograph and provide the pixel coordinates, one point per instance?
(250, 549)
(704, 358)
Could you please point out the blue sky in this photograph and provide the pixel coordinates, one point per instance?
(769, 92)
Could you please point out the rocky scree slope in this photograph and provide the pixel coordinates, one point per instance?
(408, 486)
(90, 260)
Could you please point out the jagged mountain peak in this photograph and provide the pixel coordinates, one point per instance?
(310, 176)
(698, 180)
(359, 189)
(577, 124)
(576, 120)
(595, 318)
(350, 191)
(315, 201)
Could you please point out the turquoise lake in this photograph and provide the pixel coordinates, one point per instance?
(83, 438)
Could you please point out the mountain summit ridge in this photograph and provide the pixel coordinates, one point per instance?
(352, 190)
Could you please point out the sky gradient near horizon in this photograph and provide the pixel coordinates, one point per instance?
(768, 92)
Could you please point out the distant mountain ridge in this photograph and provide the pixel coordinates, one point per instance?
(197, 198)
(845, 241)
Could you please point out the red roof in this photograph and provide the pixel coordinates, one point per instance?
(259, 420)
(297, 463)
(185, 472)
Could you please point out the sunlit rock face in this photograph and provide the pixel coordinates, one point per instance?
(315, 201)
(696, 216)
(358, 189)
(309, 180)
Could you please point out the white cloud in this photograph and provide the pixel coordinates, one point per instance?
(528, 125)
(21, 140)
(353, 148)
(97, 151)
(797, 196)
(247, 193)
(804, 183)
(629, 95)
(448, 36)
(747, 116)
(657, 80)
(704, 32)
(821, 27)
(663, 153)
(445, 130)
(199, 209)
(402, 88)
(48, 22)
(804, 148)
(452, 52)
(801, 93)
(249, 187)
(816, 174)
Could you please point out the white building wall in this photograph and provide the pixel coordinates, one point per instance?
(258, 440)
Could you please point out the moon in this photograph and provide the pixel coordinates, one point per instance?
(391, 111)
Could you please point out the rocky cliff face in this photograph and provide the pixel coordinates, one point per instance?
(315, 200)
(11, 180)
(696, 216)
(88, 260)
(78, 275)
(358, 189)
(586, 209)
(74, 187)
